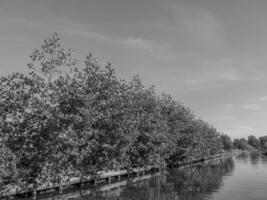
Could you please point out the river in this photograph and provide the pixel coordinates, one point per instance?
(240, 177)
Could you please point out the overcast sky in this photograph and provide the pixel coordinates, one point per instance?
(210, 54)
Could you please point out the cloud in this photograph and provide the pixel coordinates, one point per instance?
(214, 74)
(263, 98)
(237, 131)
(253, 107)
(239, 121)
(200, 24)
(86, 32)
(228, 107)
(139, 43)
(74, 29)
(204, 27)
(145, 45)
(230, 75)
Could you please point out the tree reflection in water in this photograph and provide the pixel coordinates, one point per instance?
(255, 158)
(195, 182)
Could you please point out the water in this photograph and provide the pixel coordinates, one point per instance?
(241, 177)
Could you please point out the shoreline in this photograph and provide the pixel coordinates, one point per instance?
(103, 177)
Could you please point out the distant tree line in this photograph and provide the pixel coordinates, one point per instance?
(251, 143)
(67, 118)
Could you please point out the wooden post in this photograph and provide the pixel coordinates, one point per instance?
(34, 194)
(95, 182)
(108, 179)
(60, 189)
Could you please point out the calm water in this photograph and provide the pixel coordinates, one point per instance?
(241, 177)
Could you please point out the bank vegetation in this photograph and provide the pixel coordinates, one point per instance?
(66, 119)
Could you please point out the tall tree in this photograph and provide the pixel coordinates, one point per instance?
(227, 142)
(253, 141)
(263, 142)
(61, 120)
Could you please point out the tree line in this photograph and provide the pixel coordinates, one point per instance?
(65, 119)
(251, 143)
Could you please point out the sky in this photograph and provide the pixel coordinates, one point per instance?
(209, 54)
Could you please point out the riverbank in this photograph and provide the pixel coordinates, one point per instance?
(102, 176)
(240, 176)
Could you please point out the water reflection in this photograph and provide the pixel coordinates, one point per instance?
(243, 157)
(255, 158)
(197, 182)
(264, 159)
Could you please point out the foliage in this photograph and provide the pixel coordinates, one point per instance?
(253, 141)
(8, 170)
(227, 142)
(65, 118)
(263, 143)
(242, 144)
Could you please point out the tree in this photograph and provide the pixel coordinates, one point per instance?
(227, 142)
(253, 141)
(8, 163)
(236, 143)
(263, 142)
(242, 144)
(61, 120)
(31, 126)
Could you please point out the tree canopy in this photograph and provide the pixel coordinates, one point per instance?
(68, 118)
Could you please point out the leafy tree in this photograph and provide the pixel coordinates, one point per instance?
(263, 142)
(253, 141)
(67, 119)
(31, 127)
(227, 142)
(236, 143)
(242, 144)
(8, 170)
